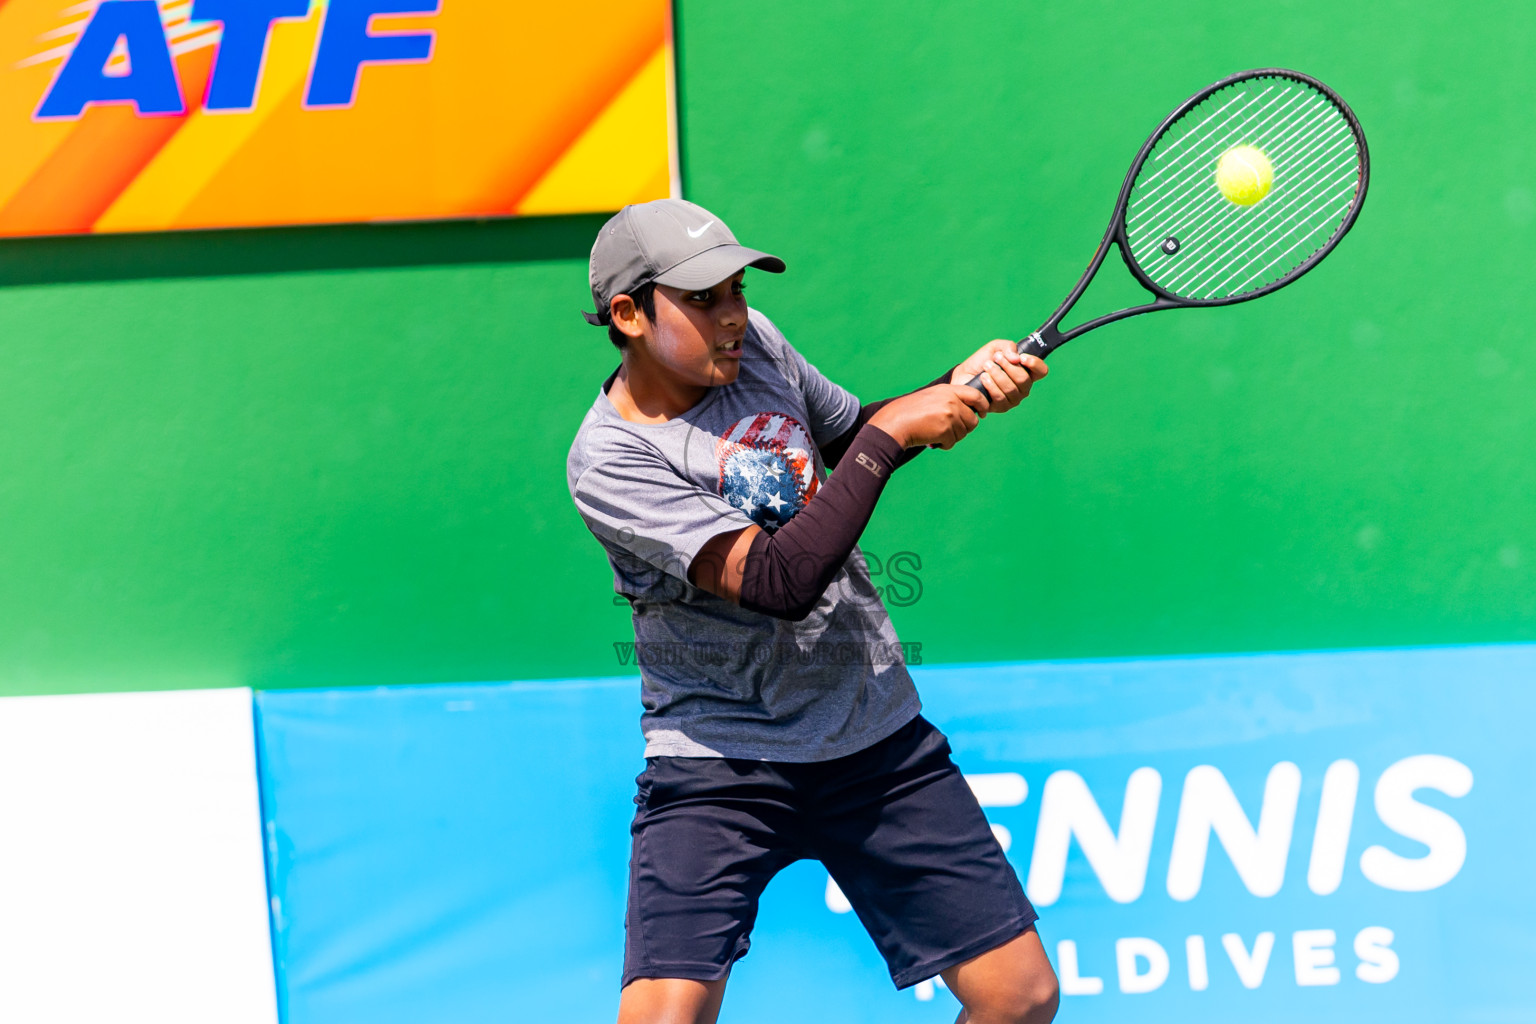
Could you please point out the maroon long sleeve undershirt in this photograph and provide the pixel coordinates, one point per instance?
(786, 572)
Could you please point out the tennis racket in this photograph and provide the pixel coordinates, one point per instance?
(1187, 242)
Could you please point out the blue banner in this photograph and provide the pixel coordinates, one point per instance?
(1340, 836)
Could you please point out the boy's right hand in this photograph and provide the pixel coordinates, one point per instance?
(938, 416)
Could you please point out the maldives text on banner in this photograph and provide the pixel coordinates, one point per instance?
(146, 115)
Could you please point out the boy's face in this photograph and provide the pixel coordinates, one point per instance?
(696, 336)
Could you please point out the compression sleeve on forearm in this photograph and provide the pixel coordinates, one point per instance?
(833, 451)
(786, 573)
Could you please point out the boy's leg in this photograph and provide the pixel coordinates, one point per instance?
(708, 835)
(1012, 984)
(671, 1001)
(903, 836)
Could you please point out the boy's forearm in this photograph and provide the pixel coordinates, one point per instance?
(785, 574)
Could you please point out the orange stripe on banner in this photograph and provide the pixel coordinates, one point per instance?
(157, 197)
(582, 112)
(25, 144)
(107, 149)
(612, 163)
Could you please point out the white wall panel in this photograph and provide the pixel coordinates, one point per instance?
(132, 886)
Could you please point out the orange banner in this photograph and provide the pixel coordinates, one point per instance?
(148, 115)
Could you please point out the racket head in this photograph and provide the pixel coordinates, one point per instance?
(1191, 245)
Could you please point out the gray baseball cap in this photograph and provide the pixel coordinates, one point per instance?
(668, 241)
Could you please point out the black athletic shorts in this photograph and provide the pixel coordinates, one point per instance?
(895, 824)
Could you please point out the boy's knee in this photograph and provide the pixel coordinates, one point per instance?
(1032, 999)
(1042, 999)
(670, 1001)
(1039, 996)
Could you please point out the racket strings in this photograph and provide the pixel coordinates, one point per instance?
(1188, 169)
(1279, 130)
(1320, 147)
(1222, 249)
(1281, 126)
(1303, 189)
(1299, 137)
(1299, 220)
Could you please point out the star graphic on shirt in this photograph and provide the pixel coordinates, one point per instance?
(767, 467)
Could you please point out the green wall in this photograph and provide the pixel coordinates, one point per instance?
(218, 473)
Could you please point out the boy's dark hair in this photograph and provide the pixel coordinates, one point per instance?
(645, 298)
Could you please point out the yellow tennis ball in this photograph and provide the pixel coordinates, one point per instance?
(1244, 175)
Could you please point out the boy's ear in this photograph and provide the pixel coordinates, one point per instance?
(627, 316)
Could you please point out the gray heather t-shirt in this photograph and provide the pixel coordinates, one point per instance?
(718, 680)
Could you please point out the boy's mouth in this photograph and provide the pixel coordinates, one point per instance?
(730, 348)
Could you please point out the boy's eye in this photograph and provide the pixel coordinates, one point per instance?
(737, 287)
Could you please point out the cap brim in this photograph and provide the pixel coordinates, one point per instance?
(712, 266)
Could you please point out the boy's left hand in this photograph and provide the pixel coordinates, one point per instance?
(1005, 373)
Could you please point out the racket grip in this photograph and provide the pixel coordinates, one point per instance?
(1034, 345)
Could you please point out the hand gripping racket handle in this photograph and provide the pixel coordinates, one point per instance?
(1037, 344)
(1041, 343)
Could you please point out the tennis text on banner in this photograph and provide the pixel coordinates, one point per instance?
(1259, 850)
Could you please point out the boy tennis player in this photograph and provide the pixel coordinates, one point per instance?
(780, 721)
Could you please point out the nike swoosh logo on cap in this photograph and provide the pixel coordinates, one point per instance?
(700, 233)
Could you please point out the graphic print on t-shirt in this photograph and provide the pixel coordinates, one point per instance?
(766, 468)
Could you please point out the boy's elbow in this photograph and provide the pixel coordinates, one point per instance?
(800, 612)
(775, 584)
